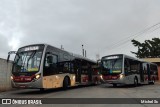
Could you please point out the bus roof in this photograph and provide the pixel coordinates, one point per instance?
(141, 60)
(84, 58)
(124, 55)
(76, 56)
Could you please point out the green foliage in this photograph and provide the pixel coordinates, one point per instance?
(147, 49)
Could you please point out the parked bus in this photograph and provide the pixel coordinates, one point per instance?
(43, 66)
(123, 69)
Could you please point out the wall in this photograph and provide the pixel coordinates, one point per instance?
(5, 73)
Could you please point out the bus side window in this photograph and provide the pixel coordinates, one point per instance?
(50, 66)
(144, 65)
(134, 66)
(71, 68)
(153, 69)
(126, 66)
(65, 67)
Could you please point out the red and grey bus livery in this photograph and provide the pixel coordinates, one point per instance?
(123, 69)
(43, 66)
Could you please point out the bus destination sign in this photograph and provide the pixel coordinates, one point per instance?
(112, 57)
(32, 48)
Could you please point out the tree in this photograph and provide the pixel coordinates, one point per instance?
(147, 49)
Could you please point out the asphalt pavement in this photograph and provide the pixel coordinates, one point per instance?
(88, 92)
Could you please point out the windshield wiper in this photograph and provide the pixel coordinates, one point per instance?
(31, 56)
(23, 61)
(114, 62)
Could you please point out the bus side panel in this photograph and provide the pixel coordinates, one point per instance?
(56, 81)
(129, 79)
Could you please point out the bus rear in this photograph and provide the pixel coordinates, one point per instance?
(26, 70)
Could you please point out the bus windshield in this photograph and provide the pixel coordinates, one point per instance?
(112, 66)
(27, 61)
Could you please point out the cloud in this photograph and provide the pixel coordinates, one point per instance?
(97, 24)
(10, 29)
(3, 48)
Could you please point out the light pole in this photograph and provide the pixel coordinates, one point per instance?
(82, 51)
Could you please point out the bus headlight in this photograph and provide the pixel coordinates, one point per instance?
(101, 76)
(121, 76)
(11, 77)
(38, 76)
(74, 77)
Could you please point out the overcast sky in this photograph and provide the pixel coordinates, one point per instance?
(97, 24)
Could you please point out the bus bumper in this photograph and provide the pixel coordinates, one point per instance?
(28, 85)
(114, 81)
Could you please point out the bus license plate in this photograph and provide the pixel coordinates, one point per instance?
(28, 79)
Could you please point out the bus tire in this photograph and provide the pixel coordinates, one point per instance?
(114, 85)
(135, 82)
(66, 83)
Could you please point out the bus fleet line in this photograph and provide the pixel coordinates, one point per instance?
(42, 66)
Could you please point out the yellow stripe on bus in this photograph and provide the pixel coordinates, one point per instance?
(32, 69)
(116, 71)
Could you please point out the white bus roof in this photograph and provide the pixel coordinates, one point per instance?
(76, 56)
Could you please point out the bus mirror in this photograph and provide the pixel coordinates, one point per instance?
(8, 58)
(49, 59)
(99, 62)
(9, 53)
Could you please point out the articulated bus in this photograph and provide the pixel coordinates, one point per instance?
(123, 69)
(43, 66)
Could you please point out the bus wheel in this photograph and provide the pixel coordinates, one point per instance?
(135, 82)
(66, 83)
(114, 85)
